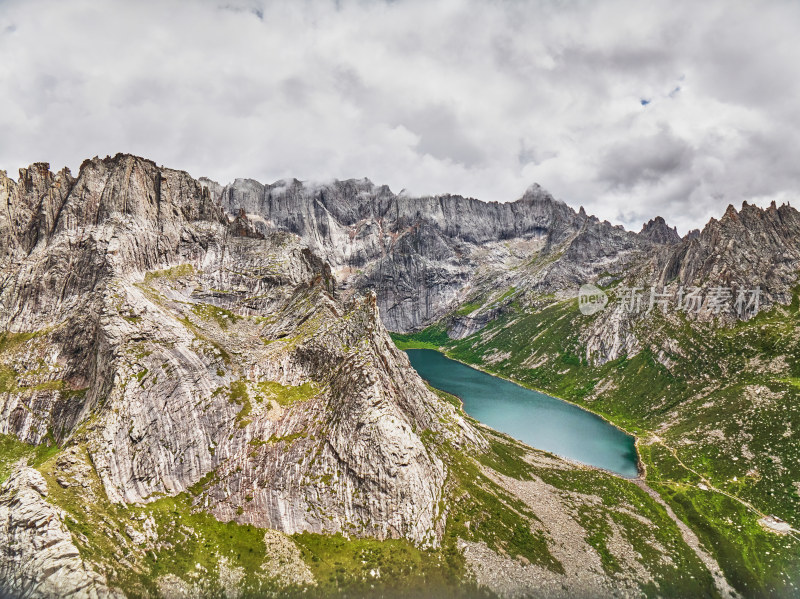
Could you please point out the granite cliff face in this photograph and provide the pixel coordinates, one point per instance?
(424, 257)
(658, 231)
(744, 263)
(183, 350)
(751, 247)
(418, 254)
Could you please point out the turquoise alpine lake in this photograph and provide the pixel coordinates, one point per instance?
(534, 418)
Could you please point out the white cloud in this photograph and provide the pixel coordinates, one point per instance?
(475, 98)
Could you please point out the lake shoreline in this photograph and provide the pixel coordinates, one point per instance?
(640, 466)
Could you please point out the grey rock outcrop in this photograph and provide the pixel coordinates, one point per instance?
(186, 349)
(738, 265)
(416, 253)
(37, 556)
(424, 256)
(231, 343)
(658, 231)
(751, 248)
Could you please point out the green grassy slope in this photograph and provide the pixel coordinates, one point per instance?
(183, 541)
(713, 406)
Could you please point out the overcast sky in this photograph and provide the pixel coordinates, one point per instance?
(631, 109)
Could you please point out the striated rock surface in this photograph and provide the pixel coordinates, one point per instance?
(745, 262)
(753, 247)
(418, 254)
(37, 555)
(425, 256)
(186, 350)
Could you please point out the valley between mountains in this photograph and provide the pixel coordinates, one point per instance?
(203, 393)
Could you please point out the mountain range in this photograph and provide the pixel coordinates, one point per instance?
(202, 392)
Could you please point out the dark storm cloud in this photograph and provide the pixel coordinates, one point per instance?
(631, 109)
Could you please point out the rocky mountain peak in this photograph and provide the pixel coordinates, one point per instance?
(536, 193)
(751, 248)
(200, 344)
(730, 212)
(657, 231)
